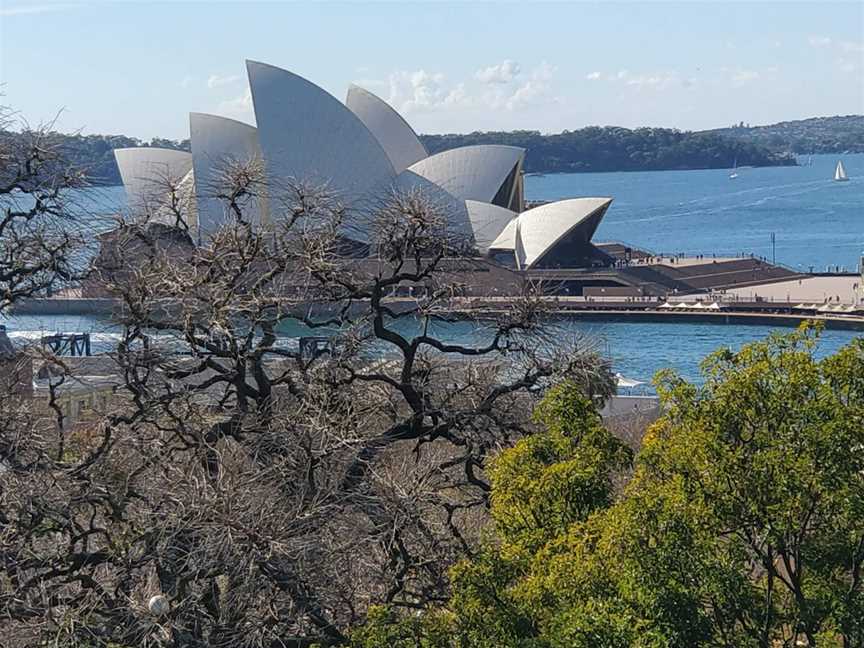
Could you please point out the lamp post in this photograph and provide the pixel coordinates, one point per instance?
(860, 295)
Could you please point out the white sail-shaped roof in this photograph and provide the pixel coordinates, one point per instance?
(184, 205)
(145, 169)
(446, 203)
(541, 228)
(395, 135)
(308, 136)
(488, 222)
(216, 143)
(518, 247)
(473, 172)
(506, 239)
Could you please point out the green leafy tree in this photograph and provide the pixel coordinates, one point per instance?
(748, 500)
(742, 525)
(541, 487)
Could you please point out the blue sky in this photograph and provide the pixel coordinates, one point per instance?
(138, 68)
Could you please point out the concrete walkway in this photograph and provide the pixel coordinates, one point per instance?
(809, 290)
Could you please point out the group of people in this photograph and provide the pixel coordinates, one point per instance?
(651, 260)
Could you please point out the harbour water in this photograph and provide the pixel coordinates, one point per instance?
(816, 223)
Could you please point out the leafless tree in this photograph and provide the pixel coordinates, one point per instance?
(39, 239)
(264, 494)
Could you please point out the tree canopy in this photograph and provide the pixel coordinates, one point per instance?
(613, 148)
(588, 149)
(229, 489)
(838, 134)
(742, 524)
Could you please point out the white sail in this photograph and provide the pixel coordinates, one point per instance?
(840, 172)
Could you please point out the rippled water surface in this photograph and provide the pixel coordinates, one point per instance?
(816, 221)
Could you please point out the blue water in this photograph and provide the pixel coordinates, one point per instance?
(637, 350)
(816, 222)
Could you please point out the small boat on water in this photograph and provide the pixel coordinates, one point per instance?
(734, 173)
(840, 172)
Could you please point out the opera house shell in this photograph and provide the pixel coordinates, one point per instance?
(359, 149)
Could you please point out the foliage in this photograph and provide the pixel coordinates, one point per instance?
(612, 148)
(840, 134)
(384, 628)
(272, 495)
(595, 148)
(743, 524)
(588, 149)
(93, 154)
(541, 487)
(38, 240)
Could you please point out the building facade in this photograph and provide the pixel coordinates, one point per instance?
(358, 150)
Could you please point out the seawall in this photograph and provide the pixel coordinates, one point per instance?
(65, 306)
(590, 311)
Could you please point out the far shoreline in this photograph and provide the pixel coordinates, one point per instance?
(701, 168)
(771, 314)
(530, 174)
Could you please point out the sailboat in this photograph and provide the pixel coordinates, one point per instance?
(840, 172)
(734, 173)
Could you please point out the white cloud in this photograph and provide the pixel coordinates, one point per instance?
(852, 48)
(423, 91)
(841, 50)
(216, 80)
(533, 91)
(745, 76)
(186, 81)
(420, 91)
(652, 80)
(740, 76)
(819, 41)
(239, 107)
(27, 9)
(606, 76)
(457, 96)
(504, 72)
(369, 84)
(543, 72)
(529, 93)
(847, 65)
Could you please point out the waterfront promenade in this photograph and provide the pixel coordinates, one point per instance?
(843, 289)
(715, 309)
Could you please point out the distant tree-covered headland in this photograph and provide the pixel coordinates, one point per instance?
(843, 134)
(613, 148)
(95, 153)
(608, 148)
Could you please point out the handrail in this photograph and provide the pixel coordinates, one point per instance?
(714, 255)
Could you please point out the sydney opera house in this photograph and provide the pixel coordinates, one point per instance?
(361, 148)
